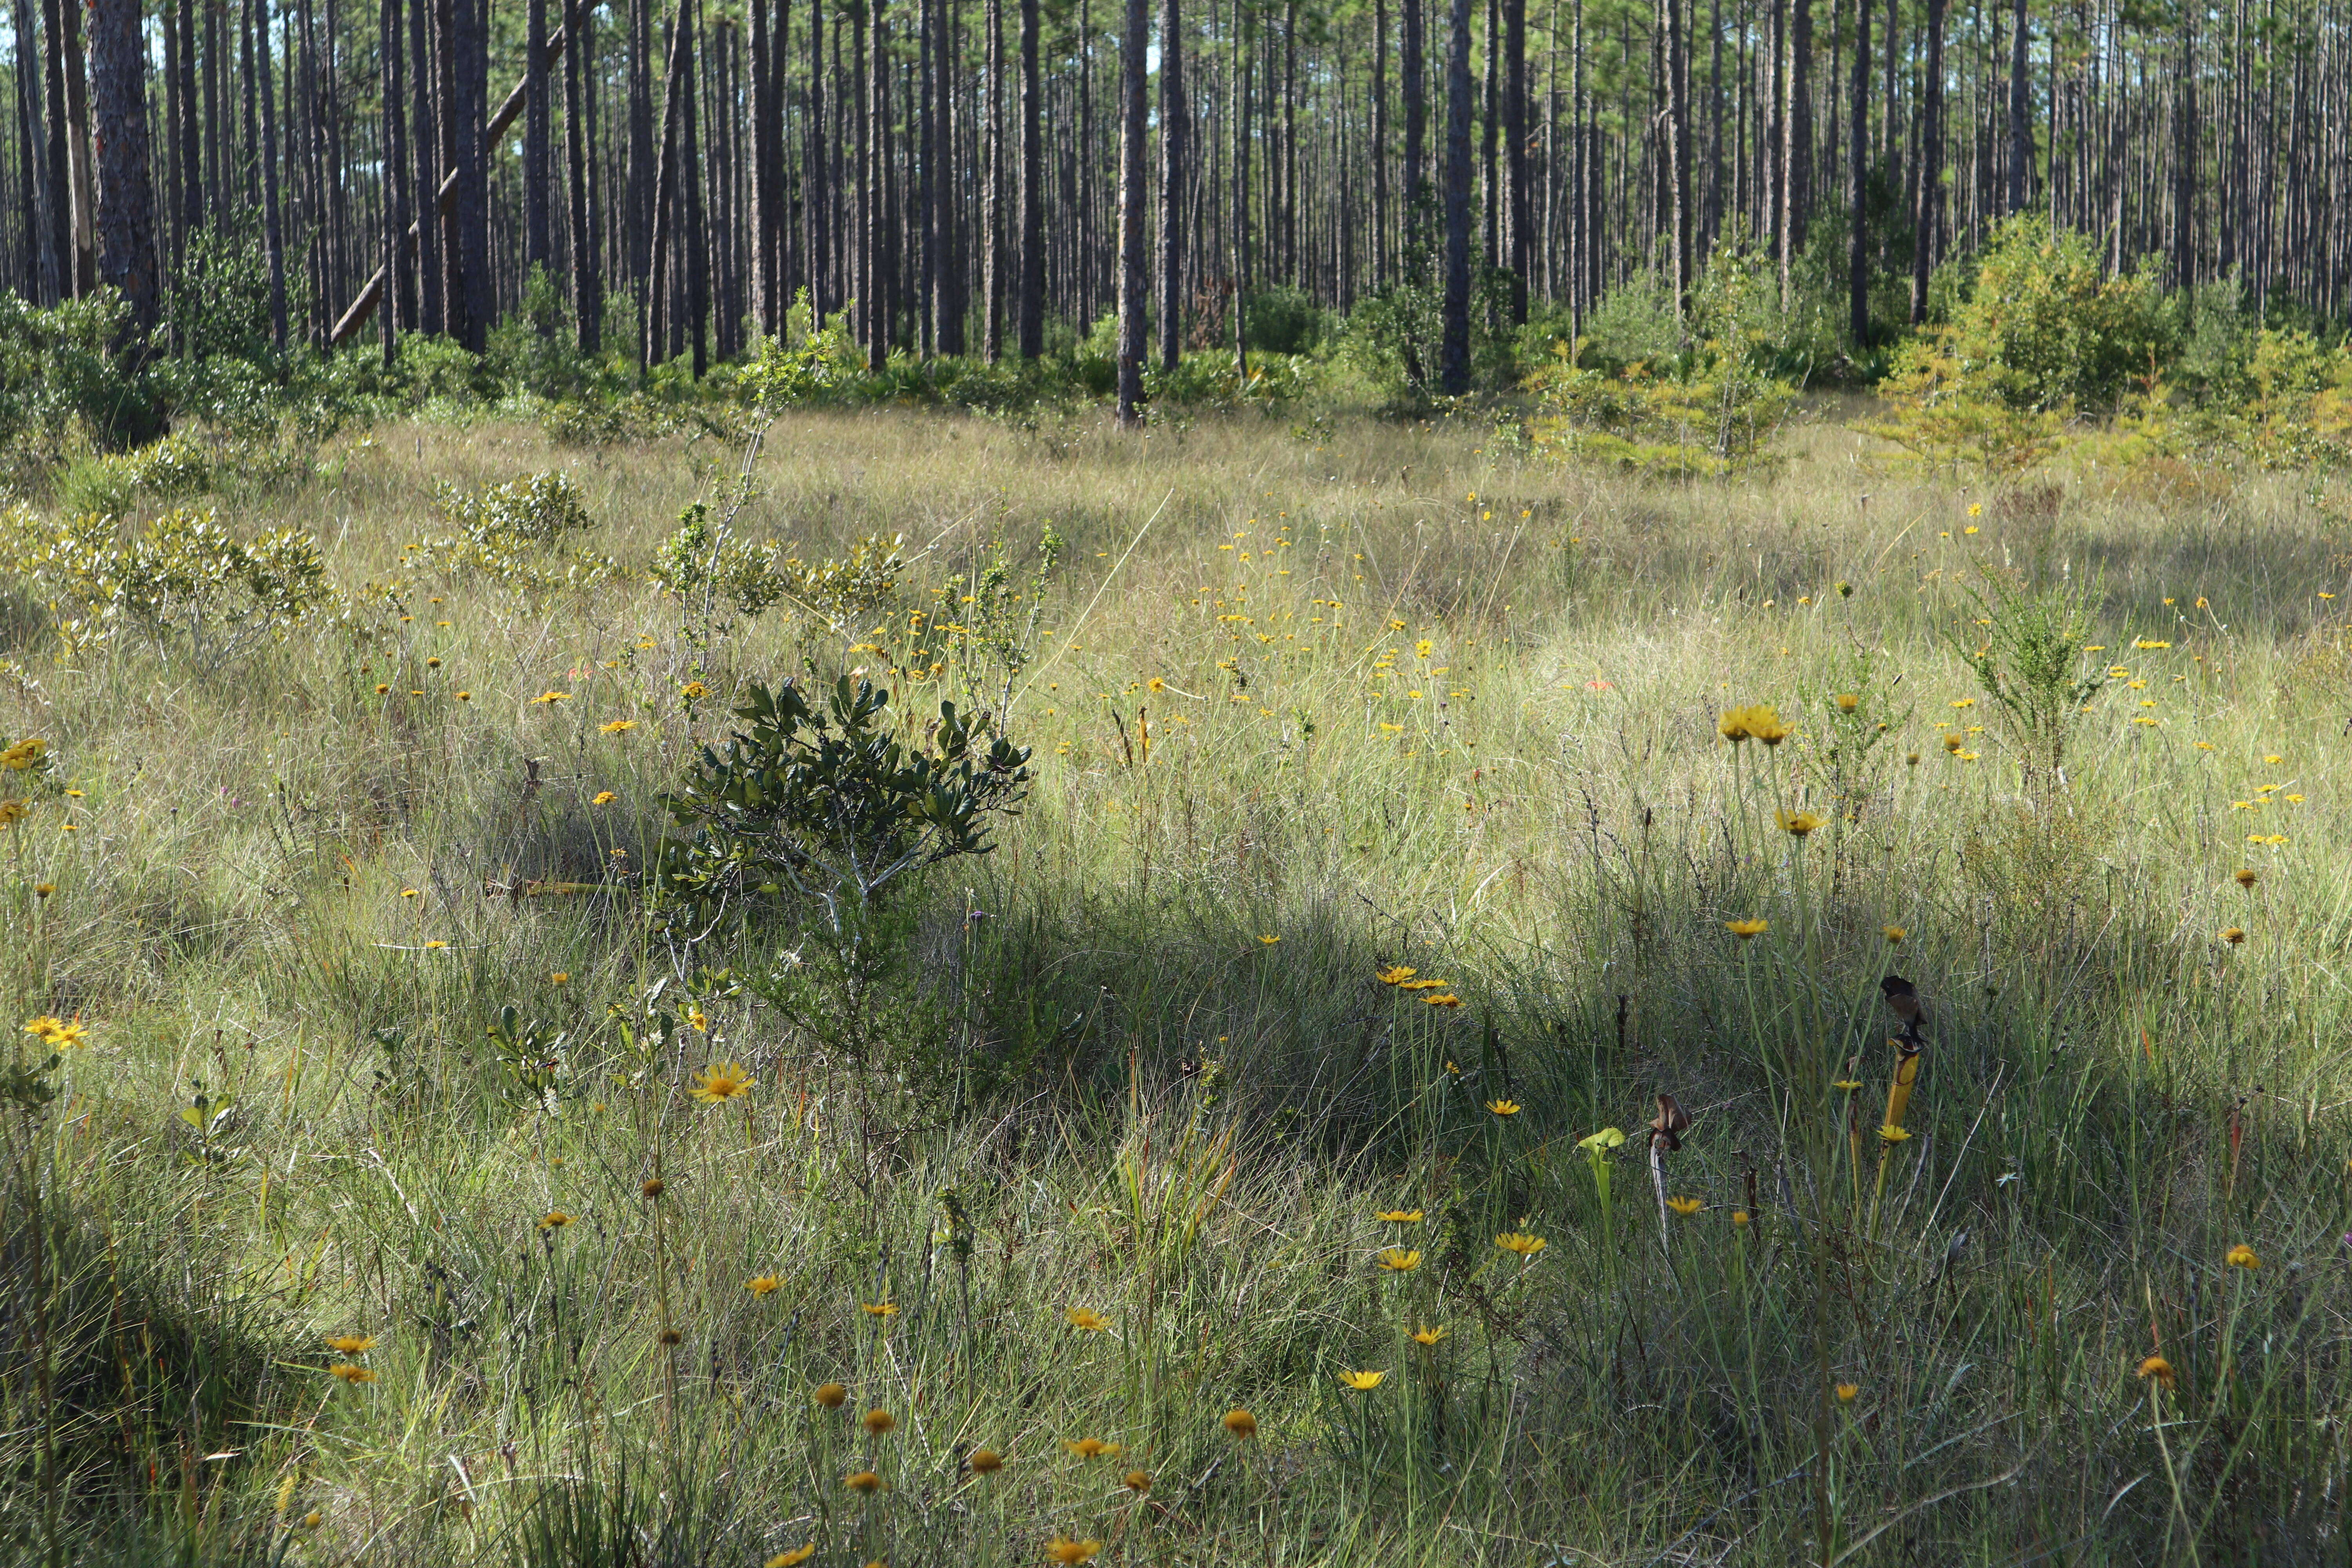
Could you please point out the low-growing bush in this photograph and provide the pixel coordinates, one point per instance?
(184, 584)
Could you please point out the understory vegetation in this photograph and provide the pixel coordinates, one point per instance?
(1667, 968)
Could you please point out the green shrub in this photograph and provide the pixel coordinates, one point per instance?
(185, 583)
(2042, 333)
(517, 533)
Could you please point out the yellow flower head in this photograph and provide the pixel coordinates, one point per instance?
(1747, 930)
(1070, 1553)
(878, 1309)
(1396, 975)
(1893, 934)
(2247, 876)
(1757, 722)
(794, 1558)
(832, 1395)
(1137, 1480)
(1740, 1216)
(1443, 999)
(1890, 1133)
(1526, 1245)
(761, 1284)
(1685, 1205)
(24, 755)
(1269, 941)
(1241, 1424)
(43, 1028)
(722, 1082)
(616, 727)
(985, 1461)
(878, 1423)
(554, 1219)
(1848, 701)
(1400, 1217)
(1397, 1260)
(1976, 509)
(1090, 1447)
(862, 1481)
(550, 698)
(351, 1344)
(604, 798)
(2234, 935)
(1087, 1318)
(1799, 823)
(1504, 1107)
(1362, 1382)
(1428, 1336)
(2242, 1256)
(694, 691)
(1846, 1391)
(2156, 1367)
(352, 1372)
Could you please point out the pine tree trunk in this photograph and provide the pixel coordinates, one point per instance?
(1797, 144)
(1858, 185)
(273, 229)
(579, 139)
(398, 287)
(125, 225)
(1518, 212)
(83, 238)
(1930, 173)
(1414, 89)
(57, 268)
(1134, 40)
(1031, 262)
(1380, 159)
(537, 223)
(1174, 122)
(676, 84)
(818, 196)
(1237, 77)
(1453, 353)
(698, 232)
(1677, 150)
(644, 173)
(2020, 109)
(993, 201)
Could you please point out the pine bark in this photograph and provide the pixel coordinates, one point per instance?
(1453, 353)
(1134, 40)
(1174, 122)
(125, 218)
(537, 227)
(1031, 262)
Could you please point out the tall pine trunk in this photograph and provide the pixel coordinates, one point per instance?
(1032, 263)
(1134, 40)
(273, 223)
(1454, 351)
(398, 287)
(1929, 175)
(1174, 121)
(538, 226)
(1518, 212)
(1858, 185)
(125, 218)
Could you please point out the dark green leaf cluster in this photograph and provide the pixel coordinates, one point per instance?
(826, 804)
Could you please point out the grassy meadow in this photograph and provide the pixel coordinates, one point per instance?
(1139, 1205)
